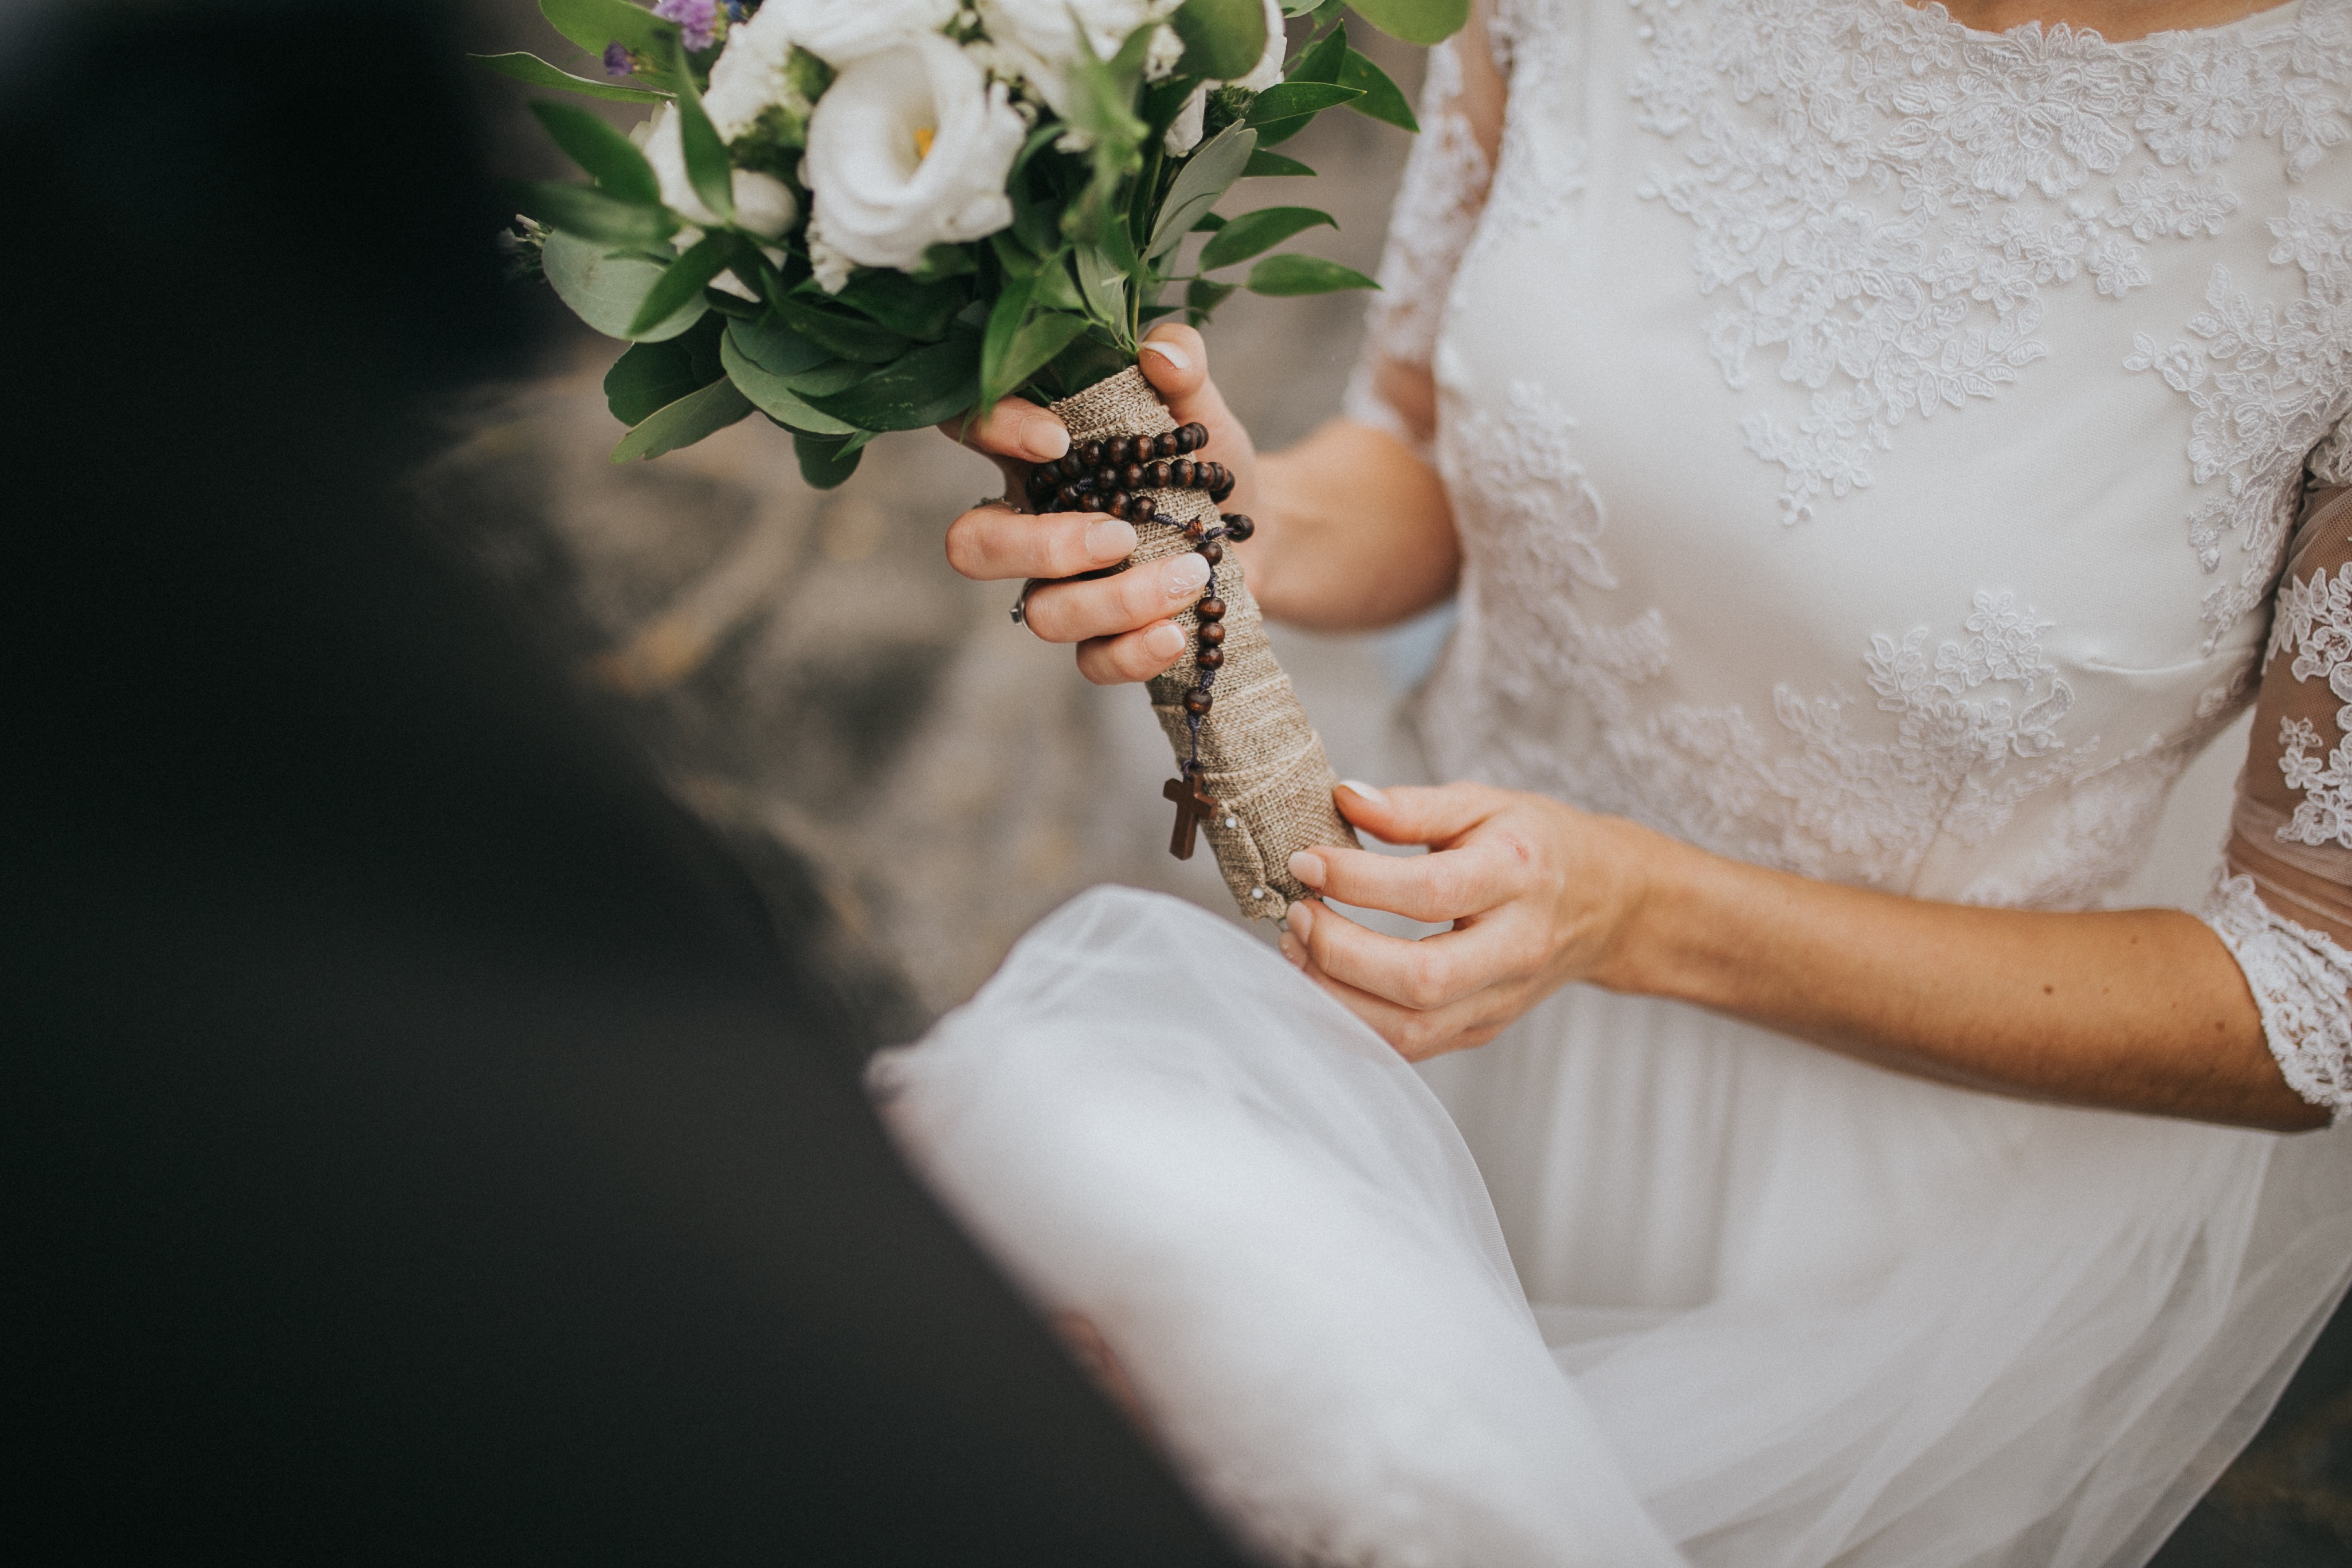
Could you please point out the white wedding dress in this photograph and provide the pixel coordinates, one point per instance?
(1876, 446)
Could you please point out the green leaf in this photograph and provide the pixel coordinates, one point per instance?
(1041, 338)
(592, 215)
(1102, 281)
(1262, 164)
(593, 24)
(1292, 99)
(774, 347)
(1201, 297)
(651, 376)
(530, 69)
(1253, 232)
(707, 169)
(605, 291)
(1210, 223)
(1223, 38)
(685, 422)
(1005, 319)
(1298, 7)
(1206, 176)
(770, 395)
(822, 381)
(825, 463)
(1091, 356)
(919, 311)
(922, 387)
(611, 159)
(1282, 276)
(1415, 21)
(1383, 99)
(847, 336)
(686, 278)
(1320, 60)
(945, 261)
(1057, 289)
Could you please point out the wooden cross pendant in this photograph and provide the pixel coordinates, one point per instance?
(1193, 806)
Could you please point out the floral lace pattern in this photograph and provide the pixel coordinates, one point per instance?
(2302, 982)
(1436, 208)
(1999, 165)
(2313, 619)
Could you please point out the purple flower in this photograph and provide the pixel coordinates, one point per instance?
(616, 61)
(698, 20)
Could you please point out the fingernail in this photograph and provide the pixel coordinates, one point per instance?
(1175, 356)
(1108, 538)
(1292, 950)
(1308, 868)
(1043, 437)
(1301, 920)
(1165, 640)
(1185, 575)
(1367, 791)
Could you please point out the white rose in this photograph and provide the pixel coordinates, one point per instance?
(750, 76)
(764, 204)
(1042, 36)
(1184, 131)
(840, 31)
(907, 149)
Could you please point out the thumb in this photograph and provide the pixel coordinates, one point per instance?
(1437, 815)
(1175, 360)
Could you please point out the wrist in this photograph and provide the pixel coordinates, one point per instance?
(1671, 922)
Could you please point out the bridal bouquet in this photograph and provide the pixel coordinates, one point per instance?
(853, 217)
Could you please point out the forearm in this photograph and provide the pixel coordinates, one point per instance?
(1354, 532)
(2141, 1010)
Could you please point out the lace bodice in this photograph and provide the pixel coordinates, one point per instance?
(1875, 443)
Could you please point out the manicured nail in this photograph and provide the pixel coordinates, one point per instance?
(1176, 357)
(1186, 575)
(1043, 437)
(1108, 538)
(1292, 950)
(1165, 640)
(1308, 868)
(1301, 920)
(1367, 791)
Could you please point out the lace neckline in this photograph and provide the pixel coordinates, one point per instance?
(1934, 15)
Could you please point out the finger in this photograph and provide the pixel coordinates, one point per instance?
(1431, 972)
(1015, 428)
(1446, 885)
(1175, 360)
(1135, 656)
(993, 543)
(1436, 814)
(1414, 1034)
(1073, 612)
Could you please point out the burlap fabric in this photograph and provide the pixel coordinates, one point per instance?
(1264, 763)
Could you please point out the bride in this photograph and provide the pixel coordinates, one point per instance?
(1874, 449)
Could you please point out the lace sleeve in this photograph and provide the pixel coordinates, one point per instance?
(2284, 907)
(1436, 211)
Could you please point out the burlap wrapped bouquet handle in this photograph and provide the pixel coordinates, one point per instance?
(1262, 762)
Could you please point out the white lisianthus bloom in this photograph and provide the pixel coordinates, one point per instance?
(840, 31)
(909, 149)
(764, 204)
(1042, 36)
(753, 74)
(1184, 131)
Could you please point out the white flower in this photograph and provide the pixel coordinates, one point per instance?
(840, 31)
(909, 149)
(1184, 131)
(751, 74)
(1040, 36)
(764, 204)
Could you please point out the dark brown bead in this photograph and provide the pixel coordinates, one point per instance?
(1155, 473)
(1210, 610)
(1210, 551)
(1130, 476)
(1142, 508)
(1066, 497)
(1105, 480)
(1164, 445)
(1221, 493)
(1179, 474)
(1113, 447)
(1090, 456)
(1238, 527)
(1118, 506)
(1212, 633)
(1197, 700)
(1210, 658)
(1191, 437)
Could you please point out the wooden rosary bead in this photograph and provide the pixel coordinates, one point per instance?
(1223, 490)
(1209, 609)
(1212, 633)
(1141, 509)
(1130, 476)
(1120, 506)
(1164, 445)
(1191, 437)
(1238, 528)
(1210, 658)
(1210, 551)
(1065, 499)
(1197, 700)
(1179, 474)
(1090, 456)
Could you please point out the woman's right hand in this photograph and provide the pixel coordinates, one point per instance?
(1121, 624)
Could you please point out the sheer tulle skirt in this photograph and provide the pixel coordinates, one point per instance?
(1779, 1308)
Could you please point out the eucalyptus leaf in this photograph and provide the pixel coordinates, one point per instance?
(685, 422)
(537, 73)
(592, 215)
(1253, 232)
(1415, 21)
(922, 387)
(1320, 60)
(1264, 163)
(605, 291)
(918, 310)
(1283, 275)
(686, 278)
(774, 347)
(772, 397)
(1223, 38)
(593, 24)
(611, 159)
(1383, 99)
(707, 169)
(850, 337)
(652, 377)
(825, 463)
(1206, 176)
(825, 380)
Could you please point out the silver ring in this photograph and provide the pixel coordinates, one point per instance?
(1020, 604)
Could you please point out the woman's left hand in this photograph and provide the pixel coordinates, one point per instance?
(1538, 894)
